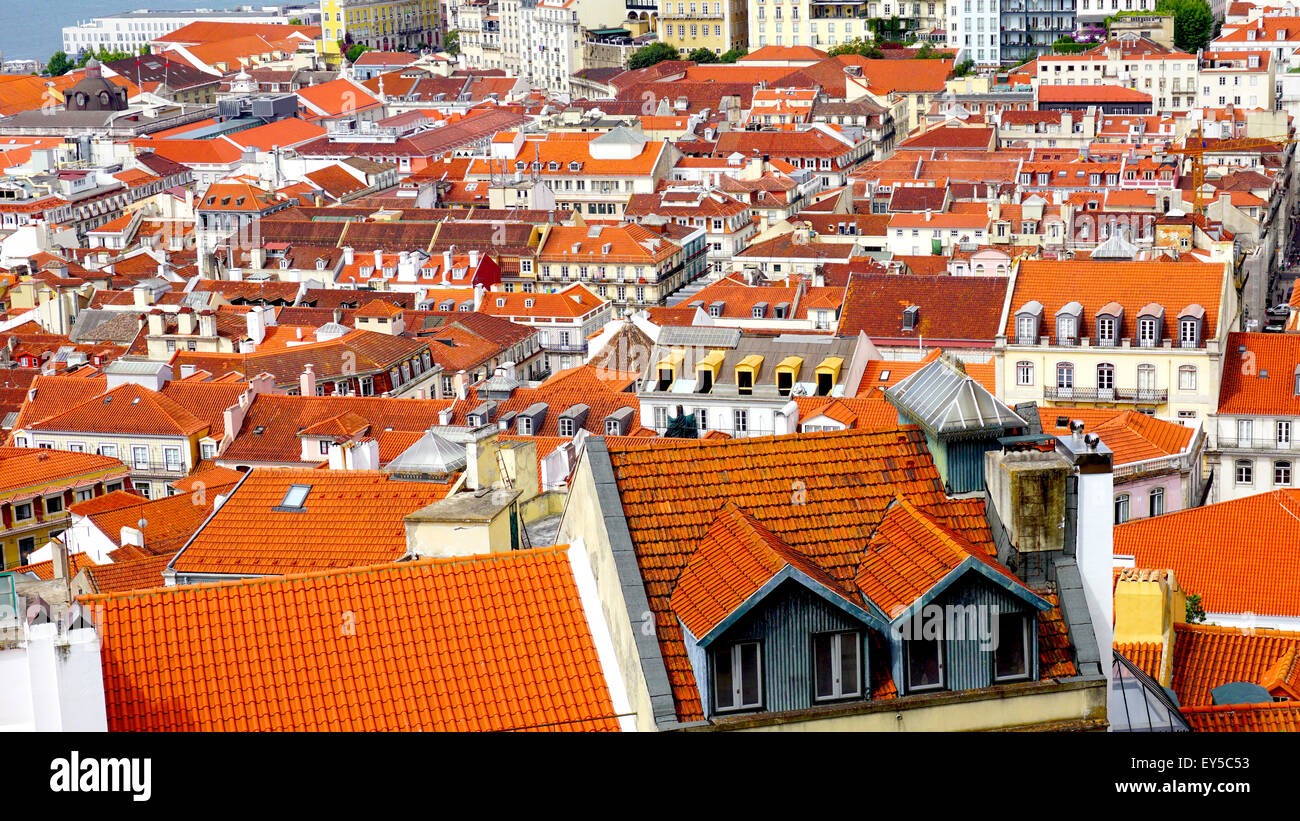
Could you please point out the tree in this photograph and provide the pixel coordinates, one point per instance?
(59, 64)
(1195, 610)
(295, 21)
(651, 54)
(451, 43)
(963, 68)
(355, 51)
(703, 55)
(1193, 22)
(733, 55)
(858, 46)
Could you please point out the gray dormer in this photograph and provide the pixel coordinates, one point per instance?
(759, 311)
(1110, 324)
(571, 421)
(1191, 326)
(911, 317)
(716, 307)
(1068, 321)
(782, 310)
(1029, 323)
(529, 421)
(1150, 325)
(506, 421)
(619, 422)
(482, 415)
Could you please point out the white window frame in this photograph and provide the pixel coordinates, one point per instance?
(1282, 468)
(738, 680)
(1027, 638)
(135, 457)
(1187, 377)
(837, 669)
(1024, 373)
(1157, 494)
(1123, 501)
(1244, 472)
(740, 421)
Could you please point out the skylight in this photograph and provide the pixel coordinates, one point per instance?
(296, 495)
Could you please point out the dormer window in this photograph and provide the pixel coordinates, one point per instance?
(611, 427)
(1147, 333)
(715, 309)
(1191, 323)
(1108, 322)
(910, 316)
(1297, 380)
(1027, 322)
(1067, 324)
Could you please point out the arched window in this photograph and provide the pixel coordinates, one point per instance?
(1105, 381)
(1121, 508)
(1157, 501)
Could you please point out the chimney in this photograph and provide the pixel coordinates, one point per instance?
(132, 536)
(479, 293)
(473, 259)
(379, 259)
(62, 566)
(1148, 603)
(185, 321)
(157, 322)
(207, 324)
(349, 256)
(140, 296)
(446, 262)
(307, 382)
(256, 326)
(444, 417)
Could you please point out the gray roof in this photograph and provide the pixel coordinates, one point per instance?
(944, 400)
(105, 326)
(431, 456)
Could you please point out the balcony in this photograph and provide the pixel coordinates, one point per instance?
(1265, 443)
(157, 467)
(1107, 396)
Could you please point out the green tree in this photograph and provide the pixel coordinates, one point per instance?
(1195, 610)
(355, 51)
(651, 54)
(964, 68)
(451, 43)
(59, 64)
(1193, 22)
(702, 55)
(858, 46)
(734, 55)
(295, 21)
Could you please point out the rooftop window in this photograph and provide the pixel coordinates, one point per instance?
(295, 497)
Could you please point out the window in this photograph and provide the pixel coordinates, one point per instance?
(23, 512)
(1025, 327)
(1187, 378)
(1156, 499)
(324, 447)
(1064, 375)
(837, 665)
(1244, 432)
(702, 419)
(1283, 433)
(1121, 508)
(1106, 381)
(172, 456)
(1146, 332)
(85, 494)
(742, 421)
(1024, 373)
(294, 497)
(208, 450)
(143, 488)
(1011, 653)
(1282, 473)
(661, 417)
(737, 677)
(140, 457)
(566, 427)
(54, 504)
(924, 662)
(1187, 333)
(1245, 472)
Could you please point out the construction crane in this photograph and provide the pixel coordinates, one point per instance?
(1195, 147)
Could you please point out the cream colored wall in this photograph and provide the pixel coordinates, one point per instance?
(459, 538)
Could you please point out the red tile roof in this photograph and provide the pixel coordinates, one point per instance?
(485, 643)
(1133, 285)
(1282, 717)
(1133, 436)
(24, 469)
(874, 305)
(349, 518)
(45, 570)
(1145, 655)
(126, 409)
(1259, 374)
(1090, 94)
(1206, 657)
(134, 574)
(673, 490)
(1239, 555)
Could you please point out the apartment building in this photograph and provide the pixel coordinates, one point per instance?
(1030, 27)
(565, 319)
(387, 25)
(973, 27)
(1237, 78)
(1252, 448)
(718, 25)
(824, 24)
(132, 30)
(1110, 333)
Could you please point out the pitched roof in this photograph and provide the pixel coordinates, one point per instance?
(22, 470)
(672, 490)
(1259, 373)
(1206, 657)
(1133, 285)
(1238, 555)
(134, 574)
(170, 520)
(874, 305)
(1132, 436)
(128, 408)
(348, 518)
(484, 643)
(1245, 718)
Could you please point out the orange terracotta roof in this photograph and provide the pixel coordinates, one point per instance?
(734, 560)
(348, 518)
(1283, 717)
(910, 552)
(1145, 655)
(169, 520)
(23, 470)
(1259, 374)
(128, 408)
(1207, 656)
(1133, 436)
(486, 643)
(1133, 285)
(133, 574)
(672, 490)
(45, 570)
(1238, 555)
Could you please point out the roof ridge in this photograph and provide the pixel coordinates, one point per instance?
(427, 561)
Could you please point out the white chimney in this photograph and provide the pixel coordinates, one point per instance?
(473, 259)
(132, 536)
(256, 326)
(207, 323)
(307, 381)
(379, 258)
(185, 321)
(349, 256)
